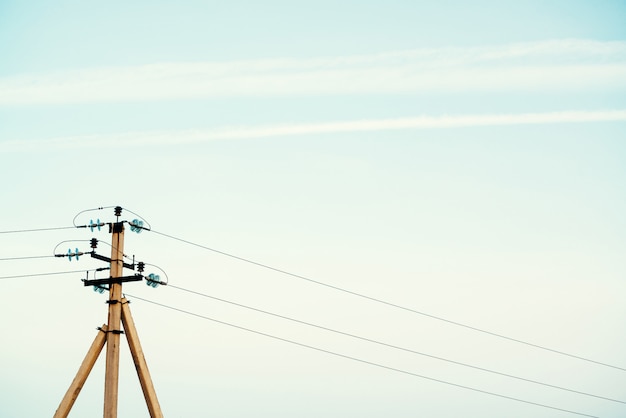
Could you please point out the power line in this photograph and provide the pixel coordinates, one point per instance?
(364, 361)
(36, 230)
(394, 305)
(395, 346)
(42, 274)
(27, 258)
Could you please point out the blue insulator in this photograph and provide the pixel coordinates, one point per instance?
(99, 289)
(153, 280)
(93, 225)
(69, 254)
(136, 226)
(76, 254)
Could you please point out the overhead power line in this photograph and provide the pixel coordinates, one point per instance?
(394, 305)
(394, 346)
(26, 258)
(36, 230)
(41, 274)
(406, 372)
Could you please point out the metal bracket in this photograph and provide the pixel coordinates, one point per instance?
(108, 260)
(111, 280)
(116, 227)
(114, 331)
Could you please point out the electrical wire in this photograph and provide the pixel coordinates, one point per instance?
(27, 258)
(88, 210)
(42, 274)
(54, 251)
(167, 279)
(394, 346)
(123, 255)
(394, 305)
(148, 228)
(371, 363)
(36, 230)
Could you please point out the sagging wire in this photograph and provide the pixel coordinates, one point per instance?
(26, 258)
(69, 253)
(138, 223)
(88, 210)
(43, 274)
(152, 280)
(363, 361)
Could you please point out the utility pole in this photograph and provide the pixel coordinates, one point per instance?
(111, 377)
(110, 333)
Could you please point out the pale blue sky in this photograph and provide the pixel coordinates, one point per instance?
(466, 161)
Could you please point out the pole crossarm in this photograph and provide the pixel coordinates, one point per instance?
(111, 280)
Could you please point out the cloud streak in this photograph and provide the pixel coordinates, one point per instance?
(136, 139)
(551, 65)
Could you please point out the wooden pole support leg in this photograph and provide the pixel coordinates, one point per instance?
(140, 362)
(81, 376)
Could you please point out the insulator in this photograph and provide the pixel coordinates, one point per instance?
(118, 211)
(70, 254)
(93, 225)
(153, 280)
(94, 243)
(141, 266)
(136, 226)
(99, 289)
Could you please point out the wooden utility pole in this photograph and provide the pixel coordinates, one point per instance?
(109, 334)
(83, 372)
(111, 376)
(140, 362)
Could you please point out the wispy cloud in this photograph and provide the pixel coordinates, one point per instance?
(131, 139)
(561, 64)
